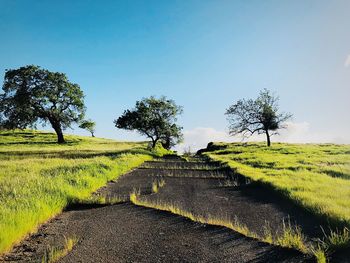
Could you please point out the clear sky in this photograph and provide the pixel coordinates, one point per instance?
(203, 54)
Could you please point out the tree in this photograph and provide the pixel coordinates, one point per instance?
(259, 116)
(88, 125)
(2, 118)
(32, 95)
(155, 119)
(172, 136)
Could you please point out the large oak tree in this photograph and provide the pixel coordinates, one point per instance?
(259, 116)
(32, 94)
(155, 119)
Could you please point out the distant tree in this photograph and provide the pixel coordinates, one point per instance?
(172, 136)
(259, 116)
(155, 119)
(32, 95)
(88, 125)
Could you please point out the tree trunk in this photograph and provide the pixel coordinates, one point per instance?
(92, 134)
(60, 138)
(57, 127)
(154, 143)
(268, 138)
(166, 144)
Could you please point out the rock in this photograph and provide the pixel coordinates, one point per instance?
(211, 147)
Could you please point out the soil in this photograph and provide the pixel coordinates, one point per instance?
(128, 233)
(216, 193)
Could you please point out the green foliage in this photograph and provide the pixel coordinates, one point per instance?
(314, 176)
(259, 116)
(32, 94)
(155, 119)
(159, 150)
(38, 177)
(88, 125)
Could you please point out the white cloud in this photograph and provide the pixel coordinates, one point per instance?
(347, 61)
(199, 137)
(296, 132)
(301, 132)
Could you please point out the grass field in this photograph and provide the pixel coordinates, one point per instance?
(315, 176)
(38, 177)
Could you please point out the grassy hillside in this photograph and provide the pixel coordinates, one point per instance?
(38, 177)
(315, 176)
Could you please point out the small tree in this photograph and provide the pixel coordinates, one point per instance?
(259, 116)
(155, 119)
(32, 94)
(88, 125)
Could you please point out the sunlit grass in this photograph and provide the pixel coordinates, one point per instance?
(317, 177)
(157, 184)
(314, 176)
(39, 178)
(320, 254)
(337, 239)
(54, 254)
(235, 225)
(290, 237)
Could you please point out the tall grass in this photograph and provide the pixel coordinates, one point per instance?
(315, 176)
(38, 178)
(337, 239)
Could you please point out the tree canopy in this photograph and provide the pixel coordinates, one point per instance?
(259, 116)
(32, 95)
(155, 119)
(88, 125)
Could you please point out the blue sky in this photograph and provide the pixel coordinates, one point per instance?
(203, 54)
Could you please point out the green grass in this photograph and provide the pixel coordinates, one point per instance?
(316, 177)
(136, 199)
(39, 178)
(99, 200)
(337, 239)
(290, 237)
(157, 184)
(54, 254)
